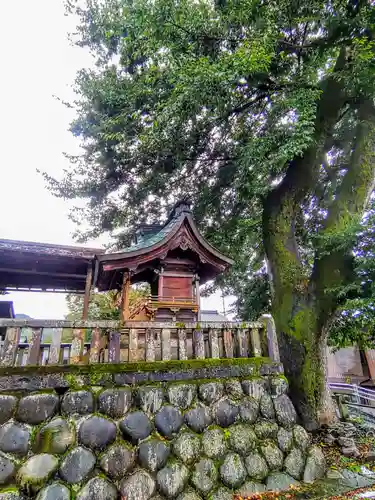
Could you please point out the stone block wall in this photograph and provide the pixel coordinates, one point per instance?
(190, 440)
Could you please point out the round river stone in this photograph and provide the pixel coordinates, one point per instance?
(77, 465)
(36, 408)
(77, 402)
(172, 479)
(153, 454)
(204, 475)
(97, 432)
(115, 402)
(168, 421)
(54, 438)
(7, 469)
(136, 426)
(242, 438)
(55, 491)
(117, 461)
(284, 439)
(295, 463)
(232, 470)
(150, 399)
(256, 466)
(211, 392)
(34, 473)
(225, 412)
(14, 438)
(234, 388)
(214, 443)
(98, 488)
(266, 407)
(7, 407)
(138, 486)
(273, 455)
(198, 419)
(187, 447)
(285, 413)
(301, 438)
(249, 409)
(182, 395)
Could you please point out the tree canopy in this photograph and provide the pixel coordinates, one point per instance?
(262, 114)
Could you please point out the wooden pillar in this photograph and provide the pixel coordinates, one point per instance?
(125, 296)
(160, 283)
(86, 300)
(198, 297)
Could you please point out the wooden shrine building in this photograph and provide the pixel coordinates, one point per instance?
(173, 258)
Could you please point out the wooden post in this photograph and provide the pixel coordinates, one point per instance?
(182, 344)
(228, 343)
(160, 283)
(255, 342)
(165, 344)
(213, 340)
(54, 350)
(150, 344)
(133, 344)
(86, 300)
(10, 347)
(95, 346)
(198, 344)
(198, 298)
(125, 296)
(34, 346)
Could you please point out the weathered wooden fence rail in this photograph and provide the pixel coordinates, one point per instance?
(115, 342)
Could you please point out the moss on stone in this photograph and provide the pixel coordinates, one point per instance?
(142, 366)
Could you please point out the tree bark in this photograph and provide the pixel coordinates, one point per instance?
(303, 304)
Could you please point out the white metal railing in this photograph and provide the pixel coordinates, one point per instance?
(358, 393)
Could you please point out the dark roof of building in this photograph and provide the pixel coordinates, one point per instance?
(50, 249)
(28, 265)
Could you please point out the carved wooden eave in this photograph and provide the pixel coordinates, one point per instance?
(180, 232)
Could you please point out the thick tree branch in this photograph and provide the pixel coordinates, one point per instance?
(333, 268)
(282, 204)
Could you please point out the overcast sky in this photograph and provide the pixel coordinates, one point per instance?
(38, 63)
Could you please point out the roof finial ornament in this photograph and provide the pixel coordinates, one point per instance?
(181, 206)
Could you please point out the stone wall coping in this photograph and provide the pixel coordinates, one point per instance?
(32, 378)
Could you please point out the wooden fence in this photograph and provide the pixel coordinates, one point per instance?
(115, 342)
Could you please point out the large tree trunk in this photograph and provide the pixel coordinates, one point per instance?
(302, 342)
(303, 305)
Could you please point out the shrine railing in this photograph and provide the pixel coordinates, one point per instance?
(132, 341)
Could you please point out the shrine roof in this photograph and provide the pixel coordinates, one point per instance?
(179, 238)
(179, 214)
(156, 237)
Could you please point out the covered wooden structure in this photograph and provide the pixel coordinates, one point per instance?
(173, 258)
(42, 267)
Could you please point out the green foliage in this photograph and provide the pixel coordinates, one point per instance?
(103, 306)
(354, 321)
(218, 102)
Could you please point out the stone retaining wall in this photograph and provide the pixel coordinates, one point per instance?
(189, 440)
